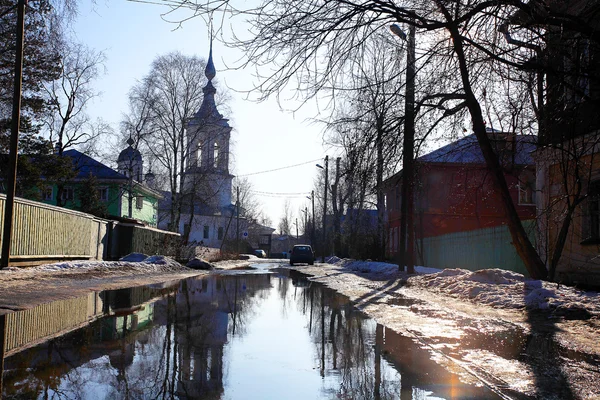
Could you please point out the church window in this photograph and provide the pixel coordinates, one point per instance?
(216, 155)
(205, 236)
(199, 152)
(220, 233)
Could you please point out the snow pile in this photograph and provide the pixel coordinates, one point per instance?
(375, 267)
(149, 264)
(507, 289)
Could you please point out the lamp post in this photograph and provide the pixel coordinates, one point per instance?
(325, 207)
(406, 211)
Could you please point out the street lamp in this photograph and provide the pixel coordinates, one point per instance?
(408, 175)
(325, 207)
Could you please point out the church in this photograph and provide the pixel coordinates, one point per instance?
(208, 215)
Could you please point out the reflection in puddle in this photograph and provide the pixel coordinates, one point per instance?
(241, 336)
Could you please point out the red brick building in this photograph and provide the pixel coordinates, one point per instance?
(459, 220)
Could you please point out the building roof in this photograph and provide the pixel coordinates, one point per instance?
(85, 165)
(467, 150)
(129, 154)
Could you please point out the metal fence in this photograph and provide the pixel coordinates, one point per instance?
(474, 250)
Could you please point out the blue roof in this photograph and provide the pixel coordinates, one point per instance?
(85, 165)
(467, 151)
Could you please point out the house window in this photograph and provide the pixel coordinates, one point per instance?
(526, 188)
(220, 233)
(103, 194)
(591, 218)
(205, 232)
(67, 193)
(139, 202)
(47, 193)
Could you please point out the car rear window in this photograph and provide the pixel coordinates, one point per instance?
(301, 249)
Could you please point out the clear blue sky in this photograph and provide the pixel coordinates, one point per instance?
(264, 138)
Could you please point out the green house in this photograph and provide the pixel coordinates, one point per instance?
(123, 192)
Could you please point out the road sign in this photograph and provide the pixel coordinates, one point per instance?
(245, 234)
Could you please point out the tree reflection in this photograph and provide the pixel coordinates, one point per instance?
(372, 361)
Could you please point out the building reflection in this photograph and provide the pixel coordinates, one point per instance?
(156, 341)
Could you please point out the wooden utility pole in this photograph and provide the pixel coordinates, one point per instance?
(325, 209)
(14, 137)
(237, 231)
(312, 236)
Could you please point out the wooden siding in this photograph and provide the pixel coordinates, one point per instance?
(31, 327)
(45, 232)
(473, 250)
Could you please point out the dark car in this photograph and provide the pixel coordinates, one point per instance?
(302, 253)
(260, 253)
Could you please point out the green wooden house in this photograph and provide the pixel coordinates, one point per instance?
(123, 193)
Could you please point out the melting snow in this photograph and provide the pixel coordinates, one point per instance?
(493, 287)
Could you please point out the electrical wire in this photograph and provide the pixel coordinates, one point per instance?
(279, 169)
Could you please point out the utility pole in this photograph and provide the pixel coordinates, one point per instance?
(237, 222)
(325, 209)
(14, 137)
(305, 220)
(296, 229)
(408, 175)
(312, 236)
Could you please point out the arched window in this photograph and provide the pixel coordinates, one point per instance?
(199, 154)
(216, 155)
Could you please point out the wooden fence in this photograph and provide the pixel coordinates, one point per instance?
(44, 233)
(131, 238)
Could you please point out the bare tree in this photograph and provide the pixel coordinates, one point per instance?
(467, 45)
(67, 123)
(160, 107)
(285, 223)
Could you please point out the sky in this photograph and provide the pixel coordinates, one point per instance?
(264, 137)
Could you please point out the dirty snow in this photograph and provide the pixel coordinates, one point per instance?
(493, 287)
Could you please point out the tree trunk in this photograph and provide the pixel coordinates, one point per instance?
(525, 249)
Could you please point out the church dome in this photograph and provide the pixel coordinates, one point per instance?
(129, 154)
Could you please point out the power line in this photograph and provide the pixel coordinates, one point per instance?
(279, 169)
(274, 194)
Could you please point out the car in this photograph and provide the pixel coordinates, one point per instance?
(260, 253)
(302, 253)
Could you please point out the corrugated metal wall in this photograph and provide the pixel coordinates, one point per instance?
(474, 250)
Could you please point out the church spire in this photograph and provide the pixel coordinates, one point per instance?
(208, 112)
(210, 71)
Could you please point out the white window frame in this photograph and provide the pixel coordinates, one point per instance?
(103, 193)
(45, 191)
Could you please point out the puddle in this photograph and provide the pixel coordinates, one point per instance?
(224, 336)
